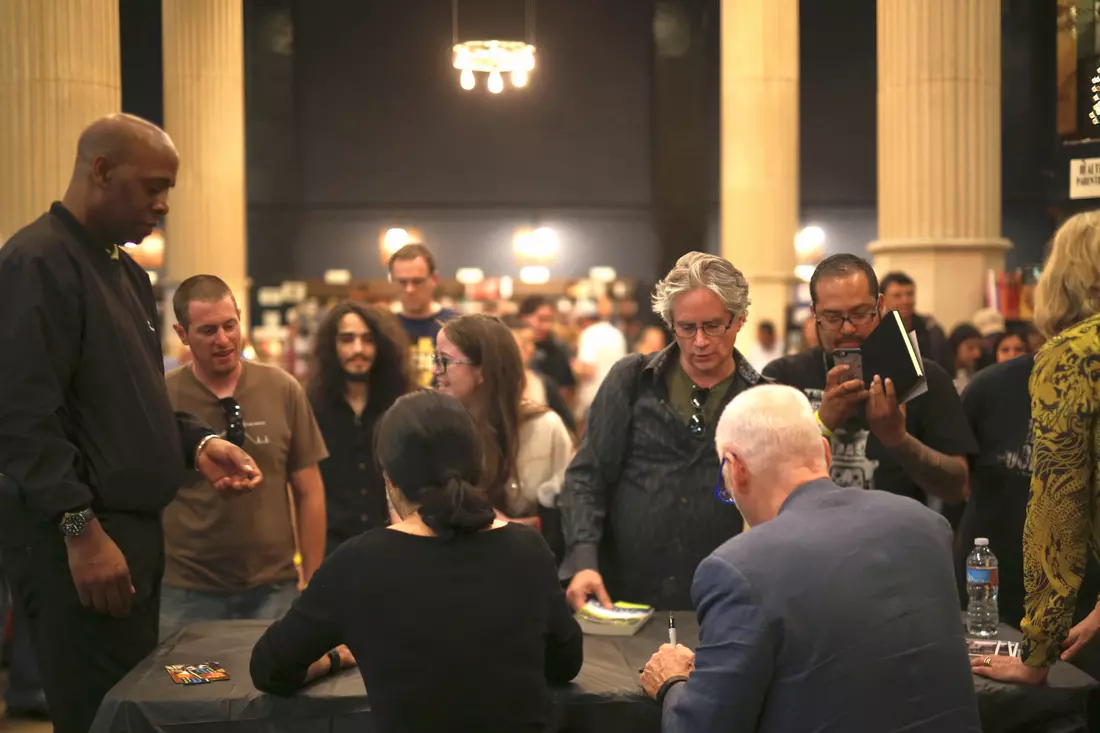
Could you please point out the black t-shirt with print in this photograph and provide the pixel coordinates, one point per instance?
(935, 418)
(999, 412)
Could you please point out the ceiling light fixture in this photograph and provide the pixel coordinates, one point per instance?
(495, 58)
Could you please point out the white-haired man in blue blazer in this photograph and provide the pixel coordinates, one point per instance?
(836, 612)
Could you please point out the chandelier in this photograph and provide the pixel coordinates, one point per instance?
(495, 58)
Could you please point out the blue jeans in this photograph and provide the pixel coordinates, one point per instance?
(182, 606)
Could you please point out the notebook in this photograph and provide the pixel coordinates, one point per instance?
(892, 353)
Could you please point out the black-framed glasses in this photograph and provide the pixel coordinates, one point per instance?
(721, 493)
(698, 422)
(234, 421)
(835, 321)
(712, 329)
(440, 362)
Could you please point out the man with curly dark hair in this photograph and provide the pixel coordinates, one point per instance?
(360, 367)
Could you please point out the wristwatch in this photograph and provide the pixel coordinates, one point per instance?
(73, 523)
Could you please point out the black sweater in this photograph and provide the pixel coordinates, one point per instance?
(450, 635)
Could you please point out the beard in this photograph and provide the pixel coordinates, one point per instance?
(360, 377)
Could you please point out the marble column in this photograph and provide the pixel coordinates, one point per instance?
(204, 114)
(759, 179)
(939, 150)
(59, 71)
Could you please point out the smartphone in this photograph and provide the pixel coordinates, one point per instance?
(854, 359)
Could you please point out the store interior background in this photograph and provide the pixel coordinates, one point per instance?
(355, 123)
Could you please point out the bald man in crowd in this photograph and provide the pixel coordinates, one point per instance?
(822, 616)
(90, 449)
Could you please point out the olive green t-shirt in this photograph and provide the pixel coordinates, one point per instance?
(234, 543)
(679, 394)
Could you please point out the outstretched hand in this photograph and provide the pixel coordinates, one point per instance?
(228, 468)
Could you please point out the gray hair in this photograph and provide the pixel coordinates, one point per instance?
(701, 270)
(772, 429)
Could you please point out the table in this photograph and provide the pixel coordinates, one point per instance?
(605, 697)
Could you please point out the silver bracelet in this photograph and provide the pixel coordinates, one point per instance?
(202, 444)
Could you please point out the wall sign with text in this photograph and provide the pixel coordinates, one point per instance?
(1084, 178)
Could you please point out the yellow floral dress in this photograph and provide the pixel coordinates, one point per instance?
(1063, 523)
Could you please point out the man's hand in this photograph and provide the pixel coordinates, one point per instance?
(584, 584)
(669, 661)
(884, 416)
(100, 572)
(1008, 669)
(228, 468)
(1081, 634)
(841, 397)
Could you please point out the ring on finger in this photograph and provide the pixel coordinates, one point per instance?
(987, 662)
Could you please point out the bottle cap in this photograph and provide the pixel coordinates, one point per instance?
(981, 542)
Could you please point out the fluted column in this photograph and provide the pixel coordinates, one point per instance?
(204, 114)
(59, 71)
(760, 148)
(939, 149)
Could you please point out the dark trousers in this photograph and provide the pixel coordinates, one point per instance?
(82, 653)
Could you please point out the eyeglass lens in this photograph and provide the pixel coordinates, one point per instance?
(234, 430)
(720, 492)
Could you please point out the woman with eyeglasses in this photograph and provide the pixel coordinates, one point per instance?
(526, 447)
(456, 618)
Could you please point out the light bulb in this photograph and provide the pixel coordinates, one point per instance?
(519, 78)
(496, 83)
(467, 80)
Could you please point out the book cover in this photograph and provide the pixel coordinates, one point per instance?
(889, 353)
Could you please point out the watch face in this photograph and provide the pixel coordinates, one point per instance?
(72, 524)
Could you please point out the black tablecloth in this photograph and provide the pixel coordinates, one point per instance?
(605, 697)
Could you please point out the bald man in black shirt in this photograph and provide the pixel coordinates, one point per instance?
(90, 449)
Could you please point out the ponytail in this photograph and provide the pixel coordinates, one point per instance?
(455, 507)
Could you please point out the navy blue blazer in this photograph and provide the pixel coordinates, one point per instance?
(839, 615)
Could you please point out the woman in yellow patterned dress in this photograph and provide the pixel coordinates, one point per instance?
(1063, 524)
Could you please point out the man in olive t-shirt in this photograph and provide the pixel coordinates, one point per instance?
(234, 558)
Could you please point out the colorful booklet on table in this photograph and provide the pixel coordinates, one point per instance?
(196, 674)
(625, 619)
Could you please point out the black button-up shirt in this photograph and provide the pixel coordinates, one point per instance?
(355, 492)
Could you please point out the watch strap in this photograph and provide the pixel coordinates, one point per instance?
(668, 685)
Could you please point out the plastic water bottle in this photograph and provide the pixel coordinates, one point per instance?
(981, 587)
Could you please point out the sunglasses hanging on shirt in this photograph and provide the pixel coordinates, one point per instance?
(234, 421)
(698, 422)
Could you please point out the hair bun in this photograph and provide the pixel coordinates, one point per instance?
(455, 507)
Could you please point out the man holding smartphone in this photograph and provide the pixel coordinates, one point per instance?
(918, 449)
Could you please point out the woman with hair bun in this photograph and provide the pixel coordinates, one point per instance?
(456, 617)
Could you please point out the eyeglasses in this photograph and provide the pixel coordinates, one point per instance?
(720, 492)
(835, 321)
(698, 423)
(440, 362)
(234, 420)
(713, 329)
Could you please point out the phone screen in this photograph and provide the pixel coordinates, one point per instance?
(854, 359)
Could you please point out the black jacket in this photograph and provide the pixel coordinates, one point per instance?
(638, 500)
(84, 413)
